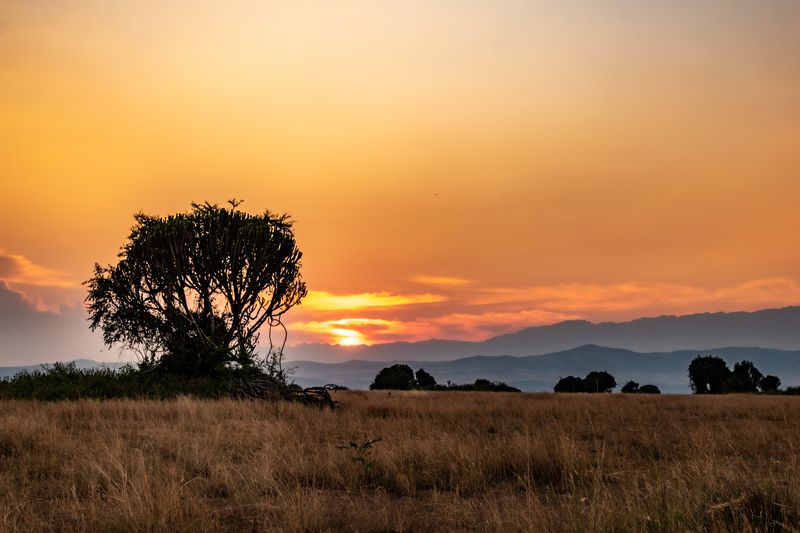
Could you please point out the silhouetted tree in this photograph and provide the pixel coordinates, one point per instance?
(745, 377)
(599, 381)
(770, 383)
(396, 377)
(630, 386)
(708, 374)
(192, 291)
(425, 380)
(570, 384)
(649, 389)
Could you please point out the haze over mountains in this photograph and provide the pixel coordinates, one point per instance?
(771, 328)
(537, 373)
(648, 350)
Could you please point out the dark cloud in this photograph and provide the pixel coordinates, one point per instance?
(29, 336)
(9, 266)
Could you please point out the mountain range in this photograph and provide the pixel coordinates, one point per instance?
(667, 370)
(648, 350)
(771, 328)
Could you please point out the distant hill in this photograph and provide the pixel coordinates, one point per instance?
(771, 328)
(534, 373)
(668, 370)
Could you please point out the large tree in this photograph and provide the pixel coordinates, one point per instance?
(745, 377)
(709, 374)
(570, 384)
(192, 291)
(397, 377)
(599, 381)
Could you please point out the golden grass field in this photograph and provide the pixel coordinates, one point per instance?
(446, 461)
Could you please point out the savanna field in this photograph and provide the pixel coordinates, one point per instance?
(416, 461)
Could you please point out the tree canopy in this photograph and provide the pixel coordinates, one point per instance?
(770, 383)
(425, 380)
(599, 381)
(630, 387)
(708, 374)
(570, 384)
(192, 291)
(745, 377)
(396, 377)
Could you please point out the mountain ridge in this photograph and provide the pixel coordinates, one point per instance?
(769, 328)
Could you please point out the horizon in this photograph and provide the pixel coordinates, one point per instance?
(455, 172)
(361, 347)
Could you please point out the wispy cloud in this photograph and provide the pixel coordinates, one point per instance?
(326, 301)
(351, 331)
(46, 289)
(476, 313)
(627, 297)
(441, 281)
(18, 269)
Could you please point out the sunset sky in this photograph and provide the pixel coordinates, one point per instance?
(455, 169)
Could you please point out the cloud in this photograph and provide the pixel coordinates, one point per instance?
(351, 331)
(326, 301)
(624, 298)
(445, 281)
(32, 336)
(475, 313)
(20, 270)
(46, 289)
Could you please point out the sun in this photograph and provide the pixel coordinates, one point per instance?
(347, 337)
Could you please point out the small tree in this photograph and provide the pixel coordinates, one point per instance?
(630, 387)
(745, 377)
(425, 380)
(708, 374)
(599, 381)
(770, 384)
(570, 384)
(396, 377)
(192, 291)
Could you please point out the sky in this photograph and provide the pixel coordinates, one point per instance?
(455, 169)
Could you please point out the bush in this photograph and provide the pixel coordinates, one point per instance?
(484, 385)
(65, 381)
(649, 389)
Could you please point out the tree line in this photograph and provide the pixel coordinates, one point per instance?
(402, 377)
(600, 381)
(708, 374)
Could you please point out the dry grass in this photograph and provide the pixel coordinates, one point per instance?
(445, 461)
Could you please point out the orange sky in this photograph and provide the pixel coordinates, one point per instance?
(455, 169)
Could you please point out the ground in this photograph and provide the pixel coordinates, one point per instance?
(445, 461)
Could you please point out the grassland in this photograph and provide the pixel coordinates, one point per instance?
(444, 461)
